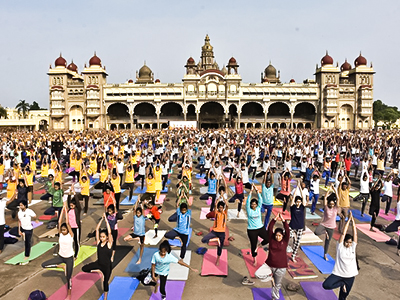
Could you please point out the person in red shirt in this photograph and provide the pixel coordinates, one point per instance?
(277, 256)
(347, 163)
(154, 215)
(109, 197)
(239, 196)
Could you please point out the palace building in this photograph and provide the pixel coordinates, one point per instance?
(338, 97)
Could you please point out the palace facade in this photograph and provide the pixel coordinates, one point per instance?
(338, 97)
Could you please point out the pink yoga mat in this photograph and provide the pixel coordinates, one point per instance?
(377, 235)
(174, 290)
(161, 199)
(39, 192)
(81, 283)
(204, 212)
(277, 210)
(389, 217)
(47, 217)
(248, 260)
(190, 201)
(202, 181)
(209, 268)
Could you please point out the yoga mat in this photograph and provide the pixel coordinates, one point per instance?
(202, 181)
(377, 236)
(322, 187)
(120, 253)
(81, 283)
(94, 181)
(176, 271)
(39, 192)
(390, 217)
(203, 190)
(309, 216)
(295, 169)
(202, 176)
(315, 291)
(204, 211)
(164, 191)
(226, 242)
(122, 288)
(255, 181)
(209, 268)
(177, 243)
(174, 290)
(36, 225)
(139, 190)
(161, 199)
(299, 269)
(101, 202)
(132, 267)
(149, 240)
(84, 253)
(353, 194)
(277, 202)
(357, 215)
(309, 237)
(248, 260)
(316, 255)
(232, 214)
(36, 251)
(50, 233)
(47, 217)
(265, 294)
(277, 210)
(127, 202)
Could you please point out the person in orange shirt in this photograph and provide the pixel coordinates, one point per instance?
(109, 197)
(217, 233)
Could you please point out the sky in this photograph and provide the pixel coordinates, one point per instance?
(293, 35)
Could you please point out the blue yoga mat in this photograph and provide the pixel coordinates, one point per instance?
(93, 181)
(132, 267)
(331, 180)
(165, 190)
(264, 294)
(255, 181)
(316, 255)
(139, 190)
(295, 169)
(168, 181)
(202, 176)
(178, 243)
(357, 215)
(122, 288)
(127, 202)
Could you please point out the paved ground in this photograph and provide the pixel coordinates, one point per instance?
(378, 279)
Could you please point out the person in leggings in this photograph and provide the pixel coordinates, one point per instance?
(65, 257)
(328, 224)
(277, 256)
(297, 208)
(345, 269)
(74, 220)
(255, 225)
(284, 195)
(239, 194)
(375, 204)
(129, 180)
(160, 263)
(182, 229)
(103, 264)
(217, 233)
(394, 226)
(25, 228)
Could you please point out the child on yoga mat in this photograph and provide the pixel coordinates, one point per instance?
(345, 269)
(160, 263)
(139, 230)
(65, 258)
(154, 215)
(255, 225)
(217, 233)
(103, 265)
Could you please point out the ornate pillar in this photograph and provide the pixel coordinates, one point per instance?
(291, 117)
(239, 113)
(158, 111)
(197, 117)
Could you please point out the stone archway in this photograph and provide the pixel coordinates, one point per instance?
(278, 110)
(43, 125)
(171, 109)
(144, 109)
(304, 110)
(252, 109)
(212, 115)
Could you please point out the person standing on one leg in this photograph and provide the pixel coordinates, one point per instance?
(25, 216)
(267, 192)
(343, 201)
(375, 204)
(297, 208)
(345, 269)
(65, 258)
(314, 192)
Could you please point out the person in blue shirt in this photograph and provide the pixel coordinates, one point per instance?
(212, 191)
(202, 161)
(139, 228)
(181, 231)
(309, 172)
(255, 226)
(160, 263)
(267, 193)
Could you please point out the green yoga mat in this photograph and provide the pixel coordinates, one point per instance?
(84, 253)
(36, 251)
(353, 194)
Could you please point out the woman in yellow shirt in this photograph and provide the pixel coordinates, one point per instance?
(116, 184)
(129, 180)
(44, 169)
(158, 180)
(32, 165)
(93, 164)
(28, 177)
(85, 191)
(150, 187)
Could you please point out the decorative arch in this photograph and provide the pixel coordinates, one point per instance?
(252, 109)
(76, 117)
(278, 109)
(144, 109)
(305, 110)
(191, 110)
(118, 111)
(233, 110)
(215, 104)
(171, 109)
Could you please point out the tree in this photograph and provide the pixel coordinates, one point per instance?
(3, 112)
(23, 108)
(34, 106)
(384, 113)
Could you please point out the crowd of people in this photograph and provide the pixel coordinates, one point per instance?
(296, 167)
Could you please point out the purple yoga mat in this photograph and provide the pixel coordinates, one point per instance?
(265, 294)
(174, 290)
(315, 291)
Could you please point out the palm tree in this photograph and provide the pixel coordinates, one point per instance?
(3, 112)
(23, 107)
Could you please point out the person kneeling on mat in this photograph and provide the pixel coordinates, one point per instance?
(160, 263)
